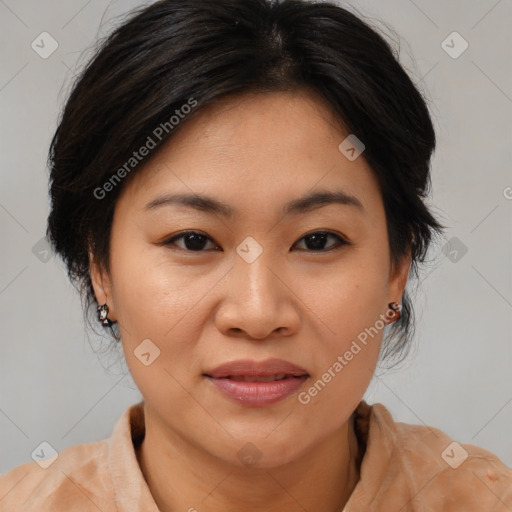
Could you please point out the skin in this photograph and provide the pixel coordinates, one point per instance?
(296, 302)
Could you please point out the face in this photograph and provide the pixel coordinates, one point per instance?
(263, 276)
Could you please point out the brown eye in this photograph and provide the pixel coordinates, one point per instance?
(317, 240)
(195, 241)
(192, 241)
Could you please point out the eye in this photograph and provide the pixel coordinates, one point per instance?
(317, 239)
(193, 240)
(196, 241)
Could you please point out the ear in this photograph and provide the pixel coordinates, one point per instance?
(102, 286)
(398, 276)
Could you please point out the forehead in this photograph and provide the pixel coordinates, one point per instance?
(252, 110)
(254, 147)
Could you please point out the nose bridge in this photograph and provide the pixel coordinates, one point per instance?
(253, 265)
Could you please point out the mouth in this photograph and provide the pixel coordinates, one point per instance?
(257, 384)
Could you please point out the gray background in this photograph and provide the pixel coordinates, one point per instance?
(458, 378)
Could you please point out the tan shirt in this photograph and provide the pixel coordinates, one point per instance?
(404, 468)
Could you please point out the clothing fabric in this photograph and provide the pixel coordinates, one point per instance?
(406, 468)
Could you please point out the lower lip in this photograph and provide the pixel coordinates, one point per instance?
(258, 394)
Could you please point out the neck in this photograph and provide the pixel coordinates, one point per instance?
(182, 477)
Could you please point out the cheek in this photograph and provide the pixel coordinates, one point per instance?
(149, 293)
(352, 295)
(154, 301)
(349, 308)
(345, 361)
(156, 298)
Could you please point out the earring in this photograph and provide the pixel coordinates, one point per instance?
(103, 315)
(397, 308)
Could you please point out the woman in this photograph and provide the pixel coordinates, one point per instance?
(238, 190)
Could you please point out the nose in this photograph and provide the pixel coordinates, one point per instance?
(259, 301)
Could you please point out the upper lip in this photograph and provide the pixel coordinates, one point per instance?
(256, 368)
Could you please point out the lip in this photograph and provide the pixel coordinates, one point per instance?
(256, 369)
(253, 393)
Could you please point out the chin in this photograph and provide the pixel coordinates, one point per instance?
(255, 452)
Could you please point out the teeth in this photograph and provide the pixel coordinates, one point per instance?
(259, 378)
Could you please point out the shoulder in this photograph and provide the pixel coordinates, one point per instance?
(444, 471)
(76, 480)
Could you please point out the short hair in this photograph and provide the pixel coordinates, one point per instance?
(165, 54)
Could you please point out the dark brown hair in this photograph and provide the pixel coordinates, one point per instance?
(164, 54)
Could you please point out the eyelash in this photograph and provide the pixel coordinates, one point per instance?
(341, 241)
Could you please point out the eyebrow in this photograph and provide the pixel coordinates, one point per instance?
(304, 204)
